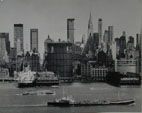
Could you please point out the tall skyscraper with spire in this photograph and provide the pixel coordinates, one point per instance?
(90, 27)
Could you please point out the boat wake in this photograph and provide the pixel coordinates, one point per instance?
(35, 105)
(38, 93)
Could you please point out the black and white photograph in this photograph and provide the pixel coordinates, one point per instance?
(70, 56)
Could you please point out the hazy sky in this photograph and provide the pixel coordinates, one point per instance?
(50, 17)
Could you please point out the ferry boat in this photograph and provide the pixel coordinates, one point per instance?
(66, 102)
(26, 79)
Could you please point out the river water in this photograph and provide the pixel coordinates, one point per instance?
(10, 102)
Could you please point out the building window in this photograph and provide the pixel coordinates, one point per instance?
(52, 49)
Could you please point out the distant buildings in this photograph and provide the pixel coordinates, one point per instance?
(48, 40)
(122, 46)
(99, 74)
(100, 30)
(33, 60)
(126, 65)
(99, 48)
(18, 38)
(7, 41)
(34, 39)
(105, 37)
(70, 30)
(91, 71)
(86, 70)
(128, 56)
(110, 34)
(141, 53)
(4, 47)
(13, 54)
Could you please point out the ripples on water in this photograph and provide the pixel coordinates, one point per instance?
(12, 103)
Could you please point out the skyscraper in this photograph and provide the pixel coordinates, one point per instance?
(2, 43)
(140, 52)
(100, 29)
(34, 39)
(3, 52)
(110, 34)
(7, 42)
(130, 43)
(105, 37)
(18, 34)
(90, 27)
(122, 42)
(137, 41)
(70, 30)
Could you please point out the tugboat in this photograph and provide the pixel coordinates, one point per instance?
(63, 102)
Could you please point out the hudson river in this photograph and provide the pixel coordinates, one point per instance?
(10, 102)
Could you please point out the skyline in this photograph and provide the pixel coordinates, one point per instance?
(50, 17)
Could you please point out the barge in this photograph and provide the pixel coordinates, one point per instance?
(66, 102)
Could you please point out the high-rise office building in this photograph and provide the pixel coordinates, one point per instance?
(18, 34)
(34, 39)
(7, 42)
(110, 34)
(140, 51)
(130, 43)
(2, 44)
(137, 41)
(90, 27)
(122, 42)
(105, 37)
(100, 30)
(3, 51)
(70, 30)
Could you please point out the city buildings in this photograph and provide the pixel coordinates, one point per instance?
(110, 34)
(4, 47)
(86, 70)
(70, 30)
(34, 39)
(48, 40)
(100, 30)
(91, 71)
(18, 38)
(12, 58)
(90, 27)
(105, 37)
(122, 42)
(32, 59)
(7, 41)
(141, 53)
(13, 53)
(126, 65)
(99, 74)
(59, 59)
